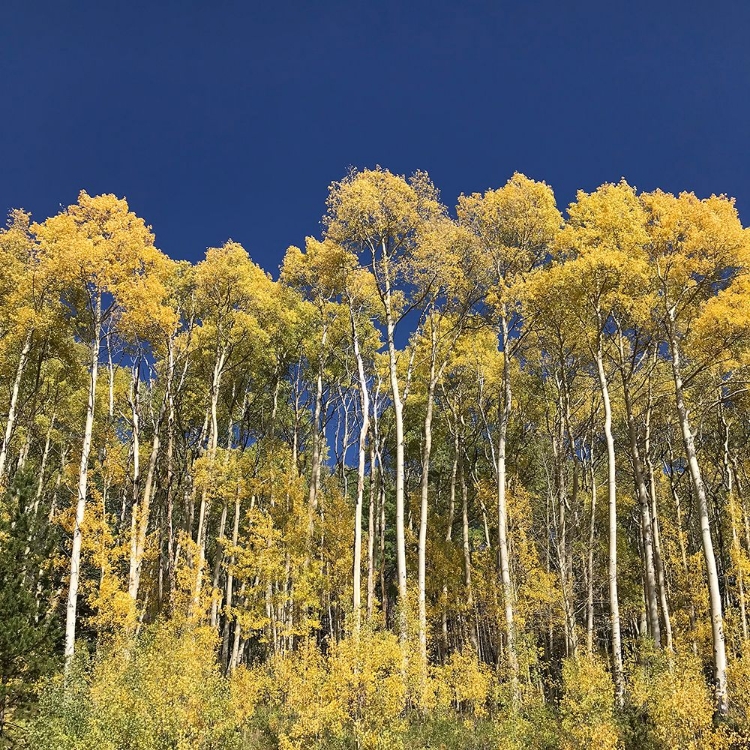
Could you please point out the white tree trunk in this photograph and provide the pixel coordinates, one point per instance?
(10, 424)
(502, 509)
(145, 503)
(652, 606)
(213, 442)
(75, 554)
(714, 593)
(371, 526)
(590, 563)
(364, 396)
(317, 437)
(134, 517)
(398, 415)
(614, 604)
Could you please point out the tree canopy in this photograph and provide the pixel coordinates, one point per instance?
(462, 477)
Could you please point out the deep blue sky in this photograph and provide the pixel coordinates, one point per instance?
(229, 119)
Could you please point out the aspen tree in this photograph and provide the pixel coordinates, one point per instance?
(232, 293)
(104, 260)
(377, 216)
(437, 267)
(604, 270)
(154, 325)
(515, 226)
(547, 367)
(326, 272)
(696, 247)
(319, 275)
(359, 295)
(27, 309)
(470, 375)
(558, 350)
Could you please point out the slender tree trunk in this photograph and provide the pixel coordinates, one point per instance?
(213, 441)
(135, 410)
(216, 595)
(230, 583)
(345, 406)
(371, 531)
(660, 569)
(381, 537)
(10, 424)
(564, 556)
(217, 567)
(143, 519)
(43, 466)
(658, 558)
(650, 593)
(75, 555)
(234, 662)
(590, 563)
(466, 544)
(317, 437)
(297, 411)
(145, 503)
(741, 505)
(714, 592)
(683, 549)
(111, 373)
(398, 415)
(449, 532)
(502, 510)
(364, 397)
(614, 604)
(454, 477)
(566, 430)
(736, 553)
(171, 567)
(424, 490)
(33, 509)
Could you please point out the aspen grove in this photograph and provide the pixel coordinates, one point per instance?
(471, 477)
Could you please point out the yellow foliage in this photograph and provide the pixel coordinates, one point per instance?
(247, 687)
(692, 242)
(738, 676)
(99, 244)
(374, 206)
(587, 706)
(186, 604)
(358, 688)
(672, 694)
(163, 691)
(320, 272)
(515, 226)
(463, 682)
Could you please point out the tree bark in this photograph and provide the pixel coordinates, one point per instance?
(364, 396)
(315, 459)
(398, 414)
(652, 606)
(371, 531)
(614, 604)
(502, 510)
(213, 441)
(424, 494)
(590, 563)
(135, 410)
(10, 424)
(75, 554)
(714, 593)
(658, 558)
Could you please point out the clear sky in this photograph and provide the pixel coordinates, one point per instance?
(229, 119)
